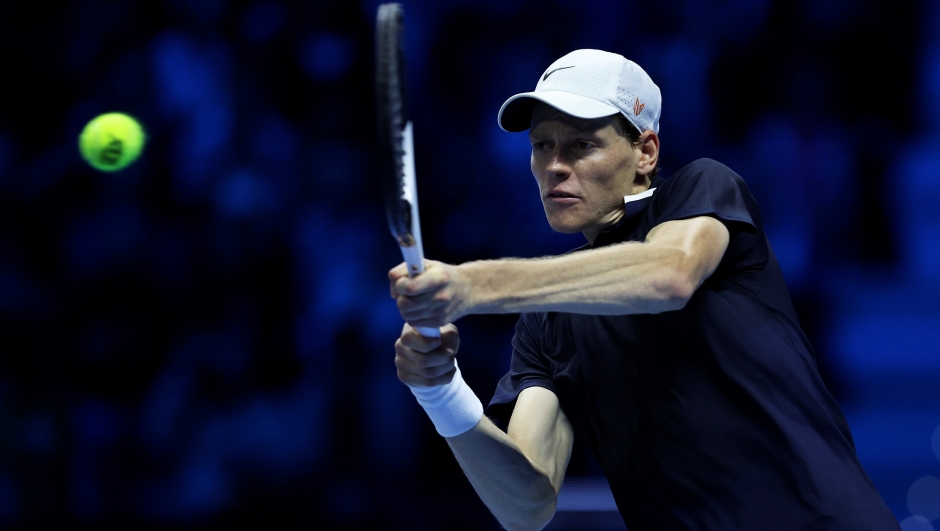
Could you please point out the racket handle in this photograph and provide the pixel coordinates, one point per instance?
(414, 257)
(428, 332)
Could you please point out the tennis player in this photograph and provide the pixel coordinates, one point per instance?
(668, 343)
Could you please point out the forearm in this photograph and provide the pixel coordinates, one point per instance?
(621, 279)
(520, 495)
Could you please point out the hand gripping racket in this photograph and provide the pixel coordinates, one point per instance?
(396, 142)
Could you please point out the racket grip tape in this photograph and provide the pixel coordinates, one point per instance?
(414, 257)
(428, 332)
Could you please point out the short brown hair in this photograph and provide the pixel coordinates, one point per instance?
(629, 131)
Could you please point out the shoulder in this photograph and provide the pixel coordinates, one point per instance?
(708, 170)
(703, 181)
(705, 187)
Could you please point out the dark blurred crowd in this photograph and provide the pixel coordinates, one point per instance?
(206, 337)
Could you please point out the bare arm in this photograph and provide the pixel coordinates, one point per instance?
(518, 475)
(657, 275)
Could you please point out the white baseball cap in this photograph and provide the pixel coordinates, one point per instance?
(589, 84)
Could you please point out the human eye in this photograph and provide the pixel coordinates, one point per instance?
(539, 145)
(584, 145)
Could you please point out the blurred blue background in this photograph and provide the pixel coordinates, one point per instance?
(206, 337)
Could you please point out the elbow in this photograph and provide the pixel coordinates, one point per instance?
(682, 290)
(676, 290)
(536, 519)
(535, 515)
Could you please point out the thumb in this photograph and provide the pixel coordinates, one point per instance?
(450, 339)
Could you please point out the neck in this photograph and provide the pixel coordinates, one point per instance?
(591, 233)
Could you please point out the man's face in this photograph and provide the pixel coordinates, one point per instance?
(583, 169)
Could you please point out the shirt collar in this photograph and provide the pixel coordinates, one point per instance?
(633, 208)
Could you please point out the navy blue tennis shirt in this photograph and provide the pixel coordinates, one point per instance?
(709, 417)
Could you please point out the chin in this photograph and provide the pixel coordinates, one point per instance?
(565, 227)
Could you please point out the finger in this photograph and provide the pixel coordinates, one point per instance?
(401, 270)
(450, 339)
(414, 380)
(409, 366)
(395, 273)
(435, 358)
(432, 279)
(419, 306)
(431, 323)
(410, 338)
(428, 317)
(428, 320)
(406, 285)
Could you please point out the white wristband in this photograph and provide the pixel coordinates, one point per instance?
(453, 407)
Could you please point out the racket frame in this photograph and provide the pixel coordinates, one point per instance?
(396, 135)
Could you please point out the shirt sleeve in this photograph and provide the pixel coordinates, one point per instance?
(709, 188)
(527, 368)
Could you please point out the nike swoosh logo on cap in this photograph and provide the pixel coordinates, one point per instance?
(550, 72)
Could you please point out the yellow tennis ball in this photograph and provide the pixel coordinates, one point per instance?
(112, 141)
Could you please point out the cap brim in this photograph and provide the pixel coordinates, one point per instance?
(516, 114)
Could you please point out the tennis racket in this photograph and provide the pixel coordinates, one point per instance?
(396, 143)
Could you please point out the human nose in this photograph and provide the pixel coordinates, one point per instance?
(557, 165)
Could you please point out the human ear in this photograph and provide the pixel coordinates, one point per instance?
(649, 152)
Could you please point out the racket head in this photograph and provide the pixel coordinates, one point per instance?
(392, 119)
(396, 144)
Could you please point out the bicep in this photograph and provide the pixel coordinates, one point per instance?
(542, 431)
(702, 239)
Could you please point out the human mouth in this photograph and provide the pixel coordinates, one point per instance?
(559, 197)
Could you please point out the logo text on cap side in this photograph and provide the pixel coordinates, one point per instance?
(638, 107)
(550, 72)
